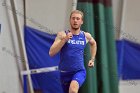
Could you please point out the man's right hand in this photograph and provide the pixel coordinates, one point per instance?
(60, 40)
(68, 36)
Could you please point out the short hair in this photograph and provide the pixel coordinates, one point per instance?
(78, 12)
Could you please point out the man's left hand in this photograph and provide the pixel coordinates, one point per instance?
(90, 63)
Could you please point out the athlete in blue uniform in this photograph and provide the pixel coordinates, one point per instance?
(71, 46)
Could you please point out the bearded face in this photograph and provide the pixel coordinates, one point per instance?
(76, 21)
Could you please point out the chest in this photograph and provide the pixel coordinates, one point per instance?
(76, 41)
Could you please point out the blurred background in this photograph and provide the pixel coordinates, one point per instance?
(28, 28)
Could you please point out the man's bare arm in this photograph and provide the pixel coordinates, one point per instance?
(59, 42)
(93, 48)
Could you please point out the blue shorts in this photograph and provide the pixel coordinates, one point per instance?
(67, 77)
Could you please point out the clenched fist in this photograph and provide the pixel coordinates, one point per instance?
(90, 63)
(68, 36)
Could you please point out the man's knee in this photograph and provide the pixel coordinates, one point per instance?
(74, 86)
(73, 90)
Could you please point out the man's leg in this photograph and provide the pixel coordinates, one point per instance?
(74, 87)
(77, 81)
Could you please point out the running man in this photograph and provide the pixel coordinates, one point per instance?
(71, 44)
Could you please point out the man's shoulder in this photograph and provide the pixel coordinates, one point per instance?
(87, 34)
(88, 37)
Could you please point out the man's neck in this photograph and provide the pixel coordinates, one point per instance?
(75, 32)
